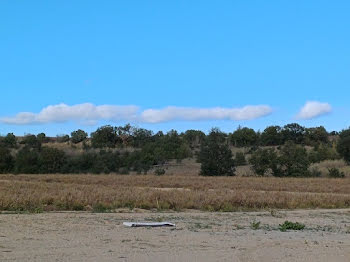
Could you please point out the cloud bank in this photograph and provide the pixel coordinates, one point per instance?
(313, 109)
(89, 113)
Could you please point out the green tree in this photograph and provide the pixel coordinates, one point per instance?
(32, 141)
(215, 157)
(244, 137)
(323, 152)
(78, 136)
(264, 161)
(343, 146)
(10, 140)
(105, 136)
(51, 160)
(293, 132)
(194, 138)
(272, 136)
(125, 134)
(294, 161)
(316, 135)
(42, 138)
(27, 161)
(6, 161)
(141, 137)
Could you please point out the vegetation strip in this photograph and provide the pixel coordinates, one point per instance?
(35, 193)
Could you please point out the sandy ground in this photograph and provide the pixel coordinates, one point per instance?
(198, 236)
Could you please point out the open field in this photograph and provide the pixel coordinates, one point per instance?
(198, 236)
(37, 193)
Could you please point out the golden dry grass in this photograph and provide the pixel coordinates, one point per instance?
(327, 164)
(101, 192)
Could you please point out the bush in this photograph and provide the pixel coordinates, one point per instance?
(101, 208)
(314, 172)
(287, 225)
(124, 171)
(323, 152)
(255, 225)
(335, 173)
(159, 171)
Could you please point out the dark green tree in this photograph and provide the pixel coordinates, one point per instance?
(78, 136)
(272, 136)
(27, 161)
(105, 136)
(42, 138)
(264, 161)
(194, 138)
(215, 158)
(343, 146)
(294, 132)
(323, 152)
(32, 141)
(9, 140)
(316, 135)
(52, 160)
(6, 161)
(125, 134)
(244, 137)
(141, 137)
(294, 161)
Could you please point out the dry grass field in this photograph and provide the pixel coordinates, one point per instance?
(102, 193)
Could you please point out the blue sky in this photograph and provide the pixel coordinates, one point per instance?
(208, 60)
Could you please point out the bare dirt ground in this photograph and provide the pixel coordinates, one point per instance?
(198, 236)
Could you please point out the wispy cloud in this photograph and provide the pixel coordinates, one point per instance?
(313, 109)
(195, 114)
(89, 113)
(85, 113)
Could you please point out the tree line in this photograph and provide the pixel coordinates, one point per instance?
(277, 151)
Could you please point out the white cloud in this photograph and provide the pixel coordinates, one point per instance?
(313, 109)
(195, 114)
(87, 113)
(90, 114)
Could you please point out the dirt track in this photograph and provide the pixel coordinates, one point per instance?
(198, 236)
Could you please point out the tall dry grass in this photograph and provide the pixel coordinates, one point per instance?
(87, 192)
(327, 164)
